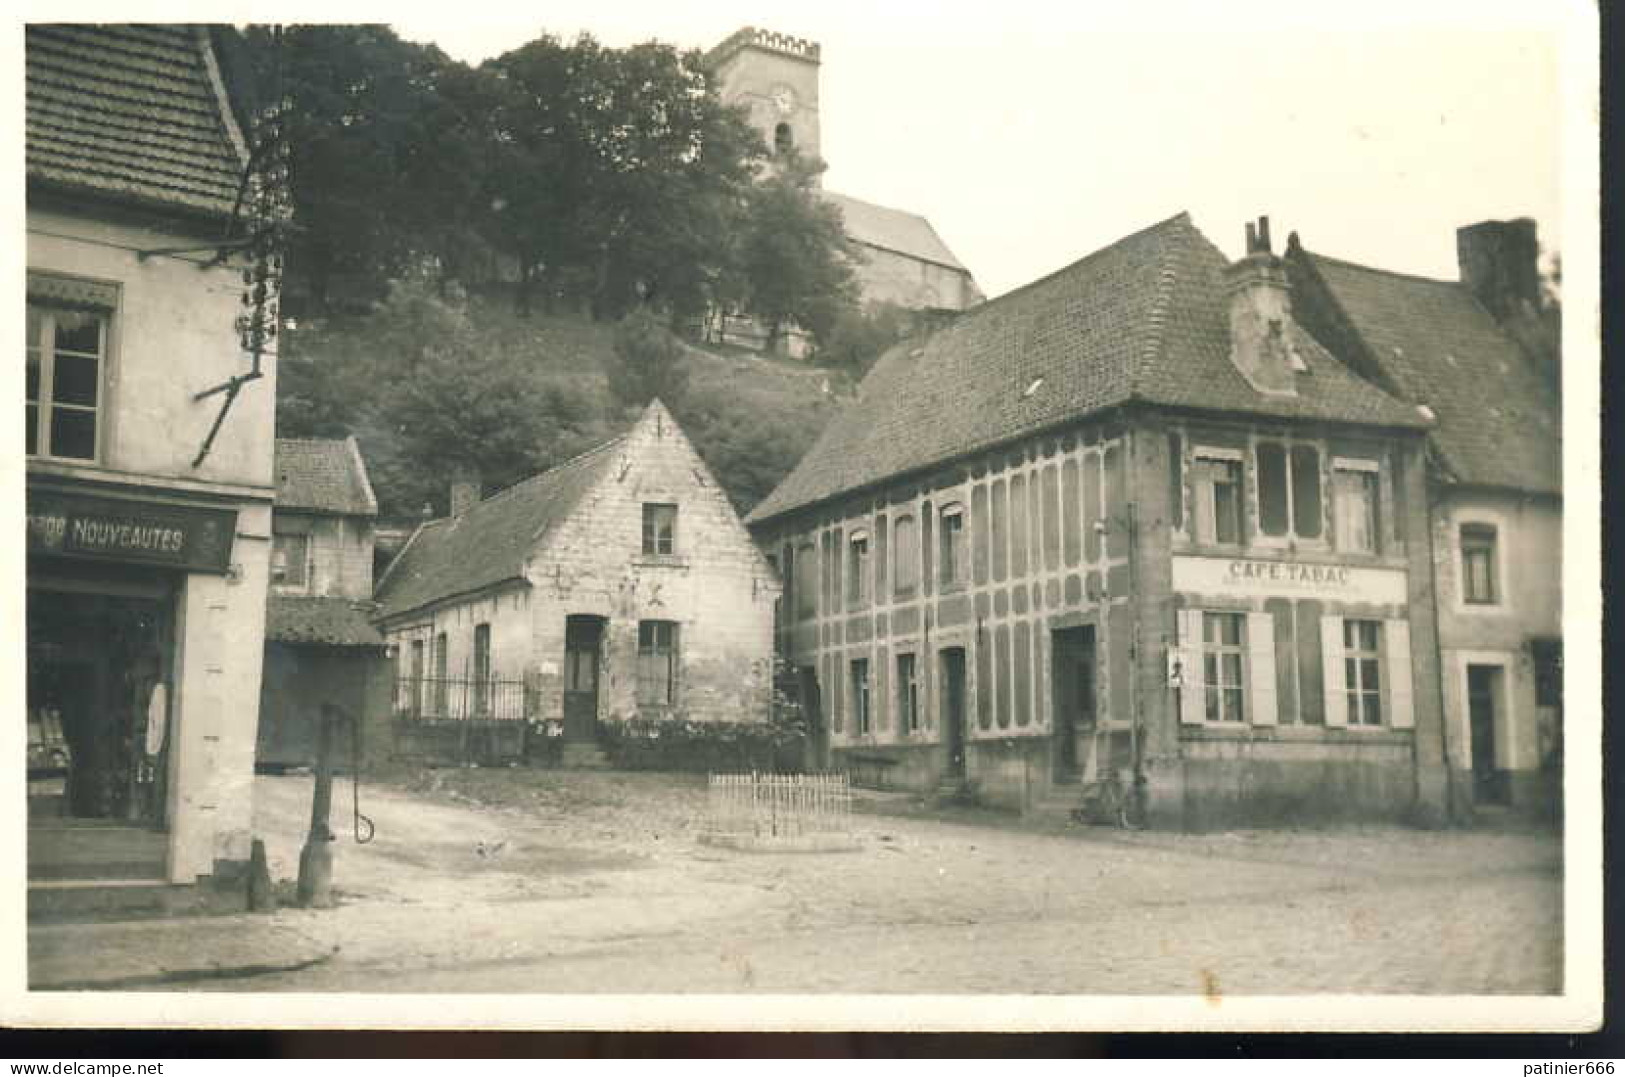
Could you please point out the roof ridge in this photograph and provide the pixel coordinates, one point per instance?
(571, 462)
(987, 304)
(1346, 264)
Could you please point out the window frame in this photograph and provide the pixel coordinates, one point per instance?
(481, 646)
(909, 719)
(861, 688)
(1205, 509)
(302, 582)
(653, 649)
(652, 511)
(859, 584)
(1475, 538)
(1356, 658)
(1219, 651)
(45, 403)
(952, 572)
(1370, 471)
(1290, 448)
(905, 553)
(804, 580)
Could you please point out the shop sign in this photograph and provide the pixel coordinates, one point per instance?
(1245, 576)
(139, 532)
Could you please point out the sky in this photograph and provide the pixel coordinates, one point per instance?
(1031, 135)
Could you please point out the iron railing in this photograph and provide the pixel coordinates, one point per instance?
(780, 807)
(489, 699)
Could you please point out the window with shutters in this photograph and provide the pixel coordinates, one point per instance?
(66, 353)
(908, 695)
(1216, 486)
(857, 570)
(861, 723)
(657, 663)
(1223, 665)
(1288, 490)
(1355, 501)
(1479, 575)
(906, 557)
(951, 546)
(1362, 665)
(659, 529)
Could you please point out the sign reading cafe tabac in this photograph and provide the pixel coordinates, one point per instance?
(1249, 576)
(140, 532)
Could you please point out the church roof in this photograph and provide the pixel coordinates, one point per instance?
(1144, 319)
(1499, 421)
(489, 543)
(893, 230)
(132, 112)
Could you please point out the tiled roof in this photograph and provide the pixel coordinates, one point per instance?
(1499, 421)
(133, 112)
(489, 542)
(1144, 319)
(323, 475)
(892, 229)
(332, 622)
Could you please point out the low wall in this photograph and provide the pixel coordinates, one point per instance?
(1257, 782)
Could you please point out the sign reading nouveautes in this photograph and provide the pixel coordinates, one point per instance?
(140, 532)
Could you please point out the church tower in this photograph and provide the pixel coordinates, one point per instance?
(775, 78)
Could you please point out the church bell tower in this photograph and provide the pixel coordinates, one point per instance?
(774, 77)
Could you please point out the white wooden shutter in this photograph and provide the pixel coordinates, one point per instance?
(1396, 671)
(1191, 706)
(1331, 667)
(1261, 668)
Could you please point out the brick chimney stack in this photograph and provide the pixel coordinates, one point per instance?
(1500, 265)
(1260, 312)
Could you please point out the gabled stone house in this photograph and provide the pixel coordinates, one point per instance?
(1129, 518)
(620, 585)
(1495, 489)
(320, 646)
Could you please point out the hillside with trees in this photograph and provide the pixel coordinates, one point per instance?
(491, 268)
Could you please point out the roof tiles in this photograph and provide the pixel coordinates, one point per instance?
(331, 622)
(323, 475)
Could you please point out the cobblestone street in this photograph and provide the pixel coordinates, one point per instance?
(617, 896)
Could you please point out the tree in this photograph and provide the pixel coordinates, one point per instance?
(795, 262)
(648, 362)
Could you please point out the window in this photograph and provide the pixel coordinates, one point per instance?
(289, 554)
(1218, 497)
(951, 546)
(1354, 504)
(482, 669)
(805, 584)
(1479, 584)
(1362, 655)
(857, 575)
(659, 529)
(783, 140)
(906, 566)
(440, 694)
(1222, 648)
(416, 690)
(1288, 490)
(66, 350)
(860, 695)
(908, 695)
(657, 663)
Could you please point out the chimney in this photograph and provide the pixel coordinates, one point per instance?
(465, 494)
(1500, 265)
(1260, 310)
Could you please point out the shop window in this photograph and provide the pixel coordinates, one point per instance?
(1288, 490)
(1223, 662)
(1355, 505)
(657, 663)
(857, 575)
(289, 560)
(1362, 678)
(482, 669)
(906, 557)
(1218, 497)
(861, 723)
(659, 529)
(908, 695)
(66, 360)
(805, 570)
(951, 546)
(1480, 583)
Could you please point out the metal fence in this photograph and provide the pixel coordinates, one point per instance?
(486, 699)
(780, 807)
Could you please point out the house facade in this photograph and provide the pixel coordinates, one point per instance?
(616, 587)
(1129, 518)
(320, 646)
(148, 496)
(1494, 485)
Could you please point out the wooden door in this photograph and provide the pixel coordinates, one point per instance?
(1489, 782)
(953, 709)
(1072, 654)
(583, 661)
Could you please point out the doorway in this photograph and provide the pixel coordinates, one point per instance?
(1072, 667)
(1484, 696)
(583, 664)
(812, 713)
(952, 663)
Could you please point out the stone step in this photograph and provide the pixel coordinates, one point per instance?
(53, 901)
(584, 757)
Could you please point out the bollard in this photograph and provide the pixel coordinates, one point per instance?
(261, 898)
(316, 858)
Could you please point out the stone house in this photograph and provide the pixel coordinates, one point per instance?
(1495, 490)
(620, 585)
(320, 646)
(149, 424)
(1131, 517)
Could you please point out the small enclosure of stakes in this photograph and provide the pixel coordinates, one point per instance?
(780, 811)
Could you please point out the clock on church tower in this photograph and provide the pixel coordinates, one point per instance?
(775, 77)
